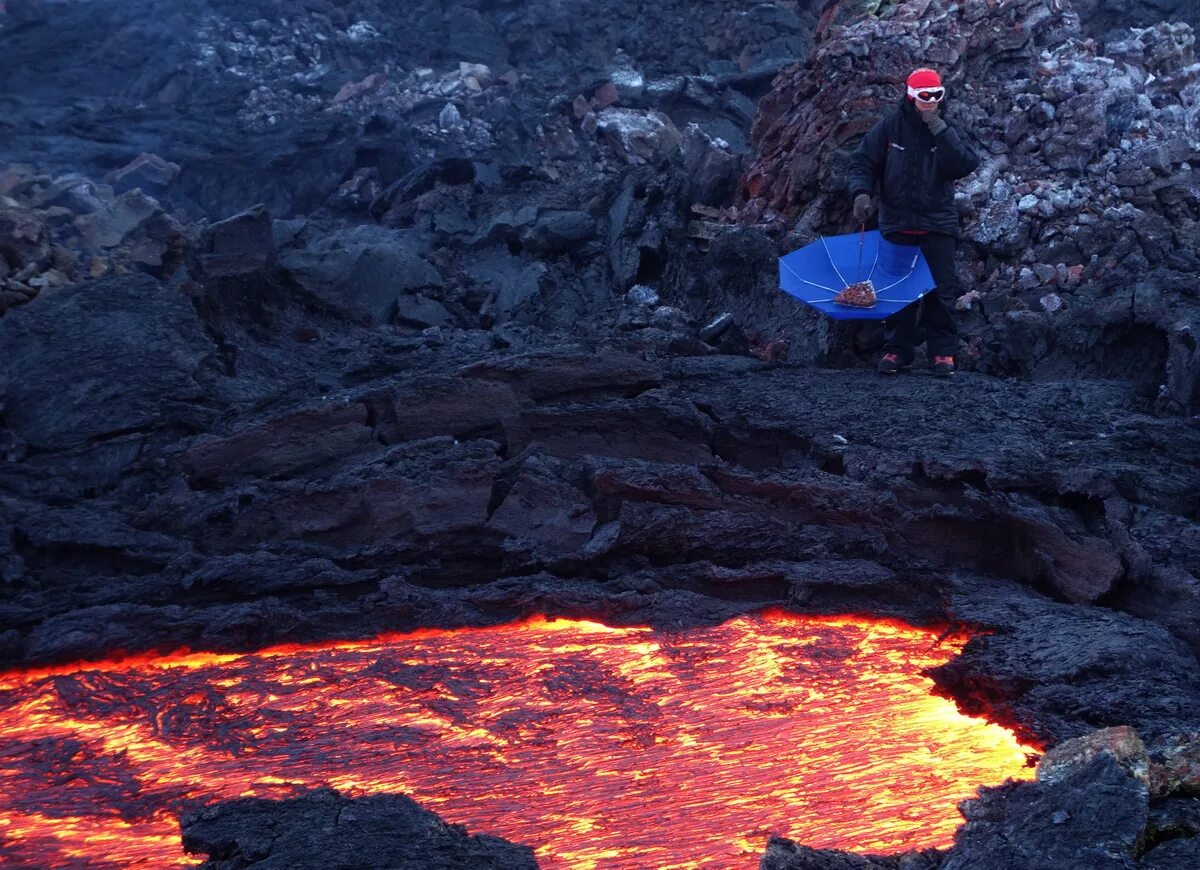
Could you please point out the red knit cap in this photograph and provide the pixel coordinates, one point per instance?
(924, 78)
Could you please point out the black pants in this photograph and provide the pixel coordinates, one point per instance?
(931, 311)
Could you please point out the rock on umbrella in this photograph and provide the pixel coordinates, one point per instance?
(820, 270)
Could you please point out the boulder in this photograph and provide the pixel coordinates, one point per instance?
(362, 270)
(24, 239)
(120, 355)
(638, 135)
(1122, 743)
(1093, 815)
(238, 246)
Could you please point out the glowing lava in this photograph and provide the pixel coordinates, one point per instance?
(600, 747)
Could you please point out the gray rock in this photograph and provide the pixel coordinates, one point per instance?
(713, 330)
(556, 231)
(640, 294)
(419, 310)
(117, 220)
(639, 136)
(712, 167)
(149, 172)
(362, 270)
(450, 118)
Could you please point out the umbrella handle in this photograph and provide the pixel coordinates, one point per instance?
(862, 238)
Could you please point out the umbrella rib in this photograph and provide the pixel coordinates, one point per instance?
(841, 277)
(902, 280)
(873, 265)
(806, 281)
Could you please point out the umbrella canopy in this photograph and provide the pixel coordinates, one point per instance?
(820, 270)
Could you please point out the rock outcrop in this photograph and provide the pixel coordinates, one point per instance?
(323, 829)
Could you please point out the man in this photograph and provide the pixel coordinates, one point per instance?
(914, 155)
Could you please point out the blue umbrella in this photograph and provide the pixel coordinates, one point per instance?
(817, 272)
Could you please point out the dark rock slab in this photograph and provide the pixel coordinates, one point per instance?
(1092, 818)
(661, 428)
(428, 405)
(111, 357)
(283, 446)
(324, 830)
(93, 632)
(363, 270)
(1172, 855)
(783, 854)
(1057, 671)
(639, 480)
(541, 512)
(565, 371)
(417, 490)
(243, 244)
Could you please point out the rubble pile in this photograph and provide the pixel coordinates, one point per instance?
(1083, 220)
(59, 230)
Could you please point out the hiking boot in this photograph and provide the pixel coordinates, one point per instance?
(943, 366)
(889, 364)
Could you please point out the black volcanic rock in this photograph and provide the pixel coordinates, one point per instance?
(118, 356)
(1092, 818)
(1059, 670)
(1111, 19)
(1172, 855)
(240, 245)
(324, 830)
(783, 854)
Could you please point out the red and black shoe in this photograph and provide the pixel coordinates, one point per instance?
(943, 366)
(889, 364)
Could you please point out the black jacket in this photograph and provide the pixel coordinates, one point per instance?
(914, 169)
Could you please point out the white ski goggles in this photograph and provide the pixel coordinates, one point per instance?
(927, 95)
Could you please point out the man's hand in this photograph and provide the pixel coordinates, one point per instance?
(932, 119)
(863, 207)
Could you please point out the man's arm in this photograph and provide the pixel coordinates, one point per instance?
(955, 156)
(866, 164)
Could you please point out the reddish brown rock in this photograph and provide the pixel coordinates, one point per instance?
(24, 239)
(350, 90)
(283, 446)
(146, 171)
(1122, 743)
(1176, 769)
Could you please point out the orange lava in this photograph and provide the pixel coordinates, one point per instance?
(599, 747)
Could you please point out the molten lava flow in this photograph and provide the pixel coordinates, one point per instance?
(599, 747)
